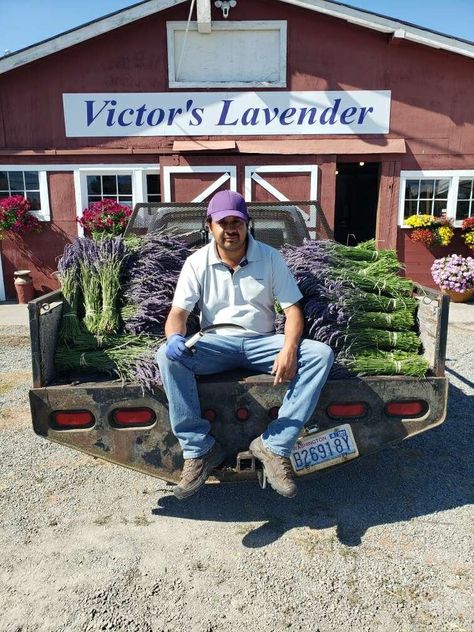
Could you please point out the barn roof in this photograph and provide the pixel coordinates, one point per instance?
(398, 29)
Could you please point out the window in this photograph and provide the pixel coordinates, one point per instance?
(465, 199)
(428, 196)
(437, 192)
(127, 184)
(114, 187)
(30, 183)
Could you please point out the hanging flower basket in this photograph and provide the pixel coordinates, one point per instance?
(468, 232)
(430, 231)
(15, 217)
(455, 276)
(105, 218)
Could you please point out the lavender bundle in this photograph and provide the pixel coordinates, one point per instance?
(111, 259)
(88, 255)
(68, 273)
(127, 356)
(354, 301)
(150, 282)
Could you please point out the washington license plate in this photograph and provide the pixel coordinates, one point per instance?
(323, 449)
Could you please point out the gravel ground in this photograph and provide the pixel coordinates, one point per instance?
(383, 544)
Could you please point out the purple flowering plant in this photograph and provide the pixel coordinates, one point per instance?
(454, 273)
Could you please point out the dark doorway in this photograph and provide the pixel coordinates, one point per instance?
(357, 190)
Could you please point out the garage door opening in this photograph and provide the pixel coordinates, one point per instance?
(357, 190)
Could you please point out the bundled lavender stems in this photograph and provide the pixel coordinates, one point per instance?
(354, 301)
(68, 273)
(150, 281)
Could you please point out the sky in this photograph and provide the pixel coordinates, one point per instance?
(26, 22)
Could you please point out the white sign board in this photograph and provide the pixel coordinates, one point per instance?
(227, 113)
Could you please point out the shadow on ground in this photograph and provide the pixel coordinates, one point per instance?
(426, 474)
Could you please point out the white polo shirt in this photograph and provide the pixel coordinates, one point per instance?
(245, 296)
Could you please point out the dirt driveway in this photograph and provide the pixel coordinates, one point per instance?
(383, 544)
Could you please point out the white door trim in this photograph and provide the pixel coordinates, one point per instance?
(226, 171)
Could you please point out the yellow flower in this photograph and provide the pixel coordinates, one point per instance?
(419, 221)
(469, 238)
(445, 234)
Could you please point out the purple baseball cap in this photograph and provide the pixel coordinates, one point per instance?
(225, 203)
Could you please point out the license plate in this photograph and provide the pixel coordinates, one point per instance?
(323, 449)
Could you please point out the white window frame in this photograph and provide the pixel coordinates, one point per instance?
(137, 171)
(228, 172)
(44, 214)
(452, 175)
(241, 25)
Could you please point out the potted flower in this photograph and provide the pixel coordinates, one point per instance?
(468, 232)
(455, 276)
(104, 218)
(15, 216)
(430, 231)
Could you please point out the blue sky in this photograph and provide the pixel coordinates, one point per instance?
(26, 22)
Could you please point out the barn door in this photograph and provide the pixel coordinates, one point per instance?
(270, 183)
(197, 183)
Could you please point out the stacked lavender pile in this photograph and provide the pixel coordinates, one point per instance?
(354, 301)
(117, 295)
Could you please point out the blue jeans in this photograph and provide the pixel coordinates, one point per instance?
(215, 354)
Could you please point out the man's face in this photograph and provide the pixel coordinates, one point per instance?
(229, 233)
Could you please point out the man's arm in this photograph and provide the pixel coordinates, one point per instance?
(285, 365)
(176, 321)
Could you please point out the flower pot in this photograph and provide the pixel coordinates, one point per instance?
(24, 286)
(459, 297)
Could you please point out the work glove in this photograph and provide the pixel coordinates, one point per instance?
(175, 347)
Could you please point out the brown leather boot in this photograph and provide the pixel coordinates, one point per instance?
(277, 468)
(196, 471)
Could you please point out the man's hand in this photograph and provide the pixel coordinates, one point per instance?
(175, 347)
(285, 365)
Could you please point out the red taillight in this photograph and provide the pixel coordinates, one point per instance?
(273, 412)
(347, 409)
(242, 413)
(412, 408)
(209, 414)
(132, 417)
(71, 419)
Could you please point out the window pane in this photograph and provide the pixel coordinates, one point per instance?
(34, 198)
(125, 200)
(109, 184)
(16, 181)
(410, 207)
(32, 180)
(442, 188)
(93, 185)
(154, 198)
(125, 185)
(426, 188)
(22, 193)
(94, 198)
(439, 207)
(412, 189)
(462, 210)
(425, 207)
(153, 184)
(3, 181)
(465, 189)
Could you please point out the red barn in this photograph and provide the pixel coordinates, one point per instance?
(279, 99)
